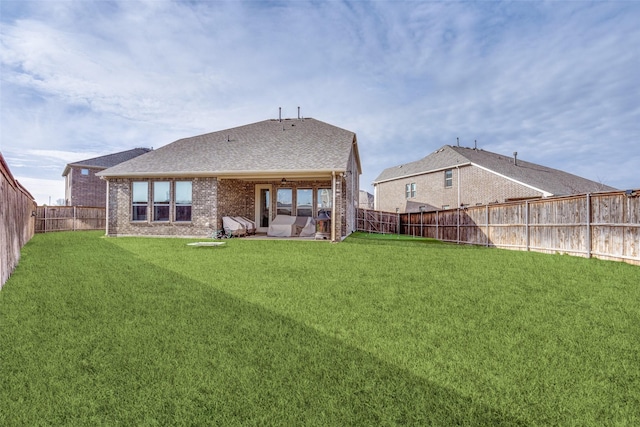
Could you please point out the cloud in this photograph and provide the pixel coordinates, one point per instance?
(44, 191)
(555, 82)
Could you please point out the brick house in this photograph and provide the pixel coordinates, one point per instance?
(454, 176)
(83, 187)
(275, 167)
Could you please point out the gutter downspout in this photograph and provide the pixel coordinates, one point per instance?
(458, 207)
(333, 206)
(458, 173)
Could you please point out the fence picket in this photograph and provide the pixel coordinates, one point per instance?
(69, 218)
(604, 225)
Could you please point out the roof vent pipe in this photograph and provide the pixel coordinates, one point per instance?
(458, 141)
(475, 144)
(298, 113)
(279, 114)
(515, 158)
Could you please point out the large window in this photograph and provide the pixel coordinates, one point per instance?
(448, 178)
(161, 201)
(183, 197)
(140, 201)
(284, 201)
(304, 202)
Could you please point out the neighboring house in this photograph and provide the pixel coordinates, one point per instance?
(291, 167)
(83, 187)
(457, 176)
(366, 200)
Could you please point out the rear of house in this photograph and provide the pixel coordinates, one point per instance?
(290, 167)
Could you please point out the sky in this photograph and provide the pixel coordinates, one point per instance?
(558, 82)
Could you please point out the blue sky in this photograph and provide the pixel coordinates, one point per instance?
(558, 82)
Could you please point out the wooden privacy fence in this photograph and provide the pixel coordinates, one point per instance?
(69, 218)
(16, 220)
(602, 225)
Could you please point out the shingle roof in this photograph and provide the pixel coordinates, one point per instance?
(549, 180)
(275, 146)
(104, 162)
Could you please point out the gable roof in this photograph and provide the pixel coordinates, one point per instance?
(276, 147)
(104, 162)
(544, 179)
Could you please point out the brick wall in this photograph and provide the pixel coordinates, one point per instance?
(87, 190)
(477, 186)
(236, 198)
(213, 199)
(204, 212)
(352, 192)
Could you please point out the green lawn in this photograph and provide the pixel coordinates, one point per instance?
(371, 331)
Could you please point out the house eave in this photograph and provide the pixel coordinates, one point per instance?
(421, 173)
(70, 166)
(237, 174)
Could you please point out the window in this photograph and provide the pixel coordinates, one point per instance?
(448, 178)
(324, 200)
(161, 201)
(304, 202)
(84, 171)
(445, 206)
(410, 190)
(183, 196)
(140, 201)
(283, 201)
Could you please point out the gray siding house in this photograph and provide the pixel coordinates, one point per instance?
(294, 167)
(454, 176)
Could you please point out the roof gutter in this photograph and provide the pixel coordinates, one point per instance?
(279, 173)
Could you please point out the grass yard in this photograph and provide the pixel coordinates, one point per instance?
(372, 331)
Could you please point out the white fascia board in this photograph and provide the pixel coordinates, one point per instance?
(544, 193)
(421, 173)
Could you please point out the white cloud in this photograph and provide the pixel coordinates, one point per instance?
(555, 82)
(44, 191)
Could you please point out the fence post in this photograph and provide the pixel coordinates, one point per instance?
(74, 218)
(588, 200)
(437, 221)
(458, 228)
(526, 220)
(486, 221)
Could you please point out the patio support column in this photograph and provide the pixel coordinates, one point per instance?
(333, 206)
